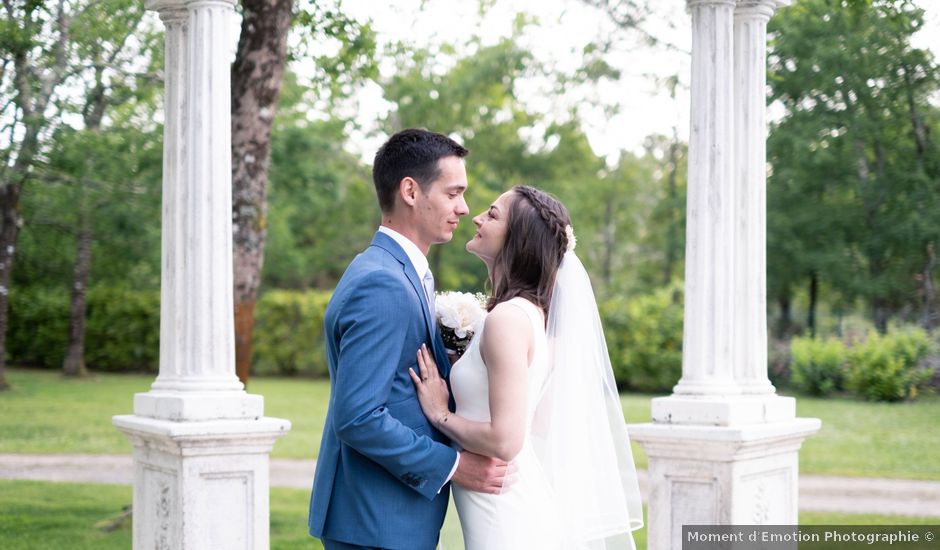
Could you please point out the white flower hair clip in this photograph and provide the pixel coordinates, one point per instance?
(572, 240)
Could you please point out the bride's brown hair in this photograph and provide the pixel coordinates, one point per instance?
(536, 242)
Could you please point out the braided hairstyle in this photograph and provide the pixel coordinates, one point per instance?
(536, 242)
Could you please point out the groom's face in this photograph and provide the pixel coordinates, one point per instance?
(438, 211)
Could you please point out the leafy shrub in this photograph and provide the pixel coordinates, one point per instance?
(816, 365)
(644, 338)
(122, 330)
(38, 326)
(288, 336)
(886, 368)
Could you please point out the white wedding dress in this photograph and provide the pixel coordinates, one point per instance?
(525, 515)
(576, 484)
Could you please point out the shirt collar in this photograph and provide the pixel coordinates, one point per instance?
(418, 260)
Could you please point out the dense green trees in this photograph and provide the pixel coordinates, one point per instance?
(68, 68)
(854, 199)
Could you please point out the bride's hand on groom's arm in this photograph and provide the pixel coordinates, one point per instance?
(431, 388)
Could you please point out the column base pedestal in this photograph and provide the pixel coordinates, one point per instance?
(718, 475)
(188, 406)
(720, 410)
(202, 484)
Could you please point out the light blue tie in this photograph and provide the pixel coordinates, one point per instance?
(429, 290)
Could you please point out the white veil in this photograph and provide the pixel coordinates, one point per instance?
(579, 432)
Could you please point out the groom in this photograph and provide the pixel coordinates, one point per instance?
(382, 474)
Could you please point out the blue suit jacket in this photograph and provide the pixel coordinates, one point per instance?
(381, 462)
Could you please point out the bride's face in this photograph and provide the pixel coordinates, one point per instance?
(491, 229)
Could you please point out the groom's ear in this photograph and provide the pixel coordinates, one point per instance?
(408, 190)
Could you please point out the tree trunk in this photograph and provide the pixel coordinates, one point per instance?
(74, 364)
(9, 233)
(918, 128)
(813, 296)
(257, 74)
(785, 324)
(10, 213)
(244, 327)
(879, 313)
(33, 90)
(931, 316)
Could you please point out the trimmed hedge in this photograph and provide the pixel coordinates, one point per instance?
(123, 330)
(38, 327)
(288, 336)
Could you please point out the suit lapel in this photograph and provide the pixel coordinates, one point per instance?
(437, 345)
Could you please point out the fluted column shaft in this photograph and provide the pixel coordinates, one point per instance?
(176, 22)
(707, 367)
(196, 324)
(750, 235)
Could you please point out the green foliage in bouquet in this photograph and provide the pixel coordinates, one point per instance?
(817, 365)
(887, 367)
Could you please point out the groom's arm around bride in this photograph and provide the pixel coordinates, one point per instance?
(382, 473)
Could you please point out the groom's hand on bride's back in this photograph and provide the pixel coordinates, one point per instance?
(482, 473)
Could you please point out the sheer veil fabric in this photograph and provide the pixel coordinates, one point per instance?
(578, 430)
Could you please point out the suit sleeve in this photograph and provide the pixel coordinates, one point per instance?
(371, 339)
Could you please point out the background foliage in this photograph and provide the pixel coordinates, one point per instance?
(853, 194)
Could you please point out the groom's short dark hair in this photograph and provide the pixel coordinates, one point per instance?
(410, 153)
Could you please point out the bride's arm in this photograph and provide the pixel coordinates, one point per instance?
(505, 345)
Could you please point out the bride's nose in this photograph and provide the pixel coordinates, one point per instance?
(478, 220)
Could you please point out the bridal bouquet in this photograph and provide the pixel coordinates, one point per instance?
(459, 316)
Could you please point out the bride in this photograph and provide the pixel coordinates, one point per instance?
(535, 387)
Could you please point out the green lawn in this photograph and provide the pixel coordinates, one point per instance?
(40, 515)
(45, 413)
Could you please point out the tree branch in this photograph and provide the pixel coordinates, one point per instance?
(8, 4)
(54, 76)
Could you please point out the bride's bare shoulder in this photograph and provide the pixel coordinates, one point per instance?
(507, 335)
(507, 319)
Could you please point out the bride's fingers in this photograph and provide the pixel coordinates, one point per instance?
(414, 377)
(422, 366)
(429, 363)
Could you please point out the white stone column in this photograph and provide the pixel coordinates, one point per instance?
(723, 448)
(197, 347)
(709, 283)
(750, 178)
(201, 442)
